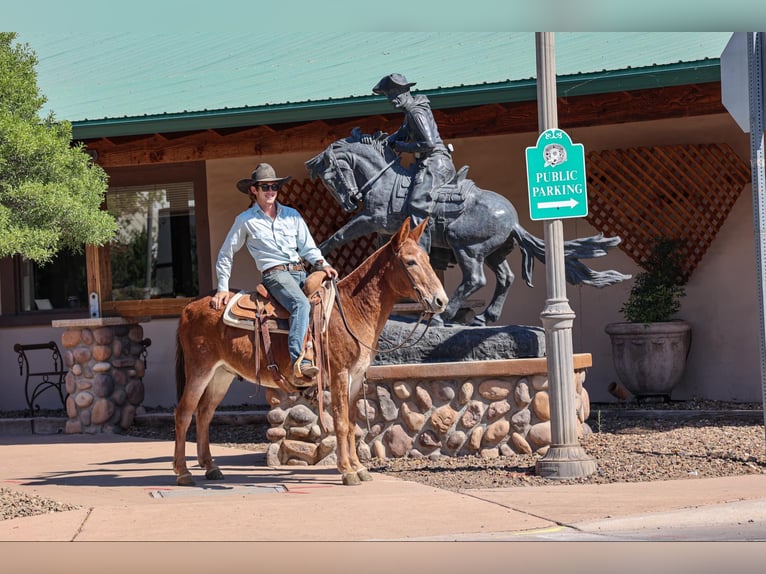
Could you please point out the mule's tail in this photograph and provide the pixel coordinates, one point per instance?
(575, 271)
(180, 368)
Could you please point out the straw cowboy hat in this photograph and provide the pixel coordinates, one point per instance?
(263, 172)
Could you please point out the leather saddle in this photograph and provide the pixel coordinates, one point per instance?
(259, 312)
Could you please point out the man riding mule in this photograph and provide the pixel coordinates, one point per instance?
(279, 240)
(211, 352)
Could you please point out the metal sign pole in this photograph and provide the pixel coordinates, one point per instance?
(565, 458)
(756, 57)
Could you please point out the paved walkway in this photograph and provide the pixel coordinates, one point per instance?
(127, 490)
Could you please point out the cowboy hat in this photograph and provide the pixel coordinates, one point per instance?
(263, 172)
(392, 82)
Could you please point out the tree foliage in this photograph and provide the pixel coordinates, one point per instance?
(50, 191)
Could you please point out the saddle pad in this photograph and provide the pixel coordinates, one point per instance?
(229, 318)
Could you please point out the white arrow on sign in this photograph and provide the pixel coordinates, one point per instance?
(571, 202)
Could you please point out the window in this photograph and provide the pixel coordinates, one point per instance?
(155, 253)
(59, 284)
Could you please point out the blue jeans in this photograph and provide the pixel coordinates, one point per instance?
(287, 288)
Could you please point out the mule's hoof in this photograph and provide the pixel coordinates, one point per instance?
(364, 475)
(214, 474)
(351, 479)
(185, 480)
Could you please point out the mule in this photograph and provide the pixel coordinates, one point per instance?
(473, 226)
(210, 354)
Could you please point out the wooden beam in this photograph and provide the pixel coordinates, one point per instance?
(490, 119)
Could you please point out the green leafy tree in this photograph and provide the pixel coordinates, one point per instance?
(50, 190)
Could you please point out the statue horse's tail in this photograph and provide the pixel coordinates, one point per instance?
(180, 368)
(576, 272)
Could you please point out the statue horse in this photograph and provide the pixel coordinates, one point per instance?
(210, 353)
(477, 226)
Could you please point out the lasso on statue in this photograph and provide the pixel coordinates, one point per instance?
(469, 226)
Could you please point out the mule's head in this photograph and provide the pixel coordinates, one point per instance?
(418, 279)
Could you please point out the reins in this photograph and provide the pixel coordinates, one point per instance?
(407, 338)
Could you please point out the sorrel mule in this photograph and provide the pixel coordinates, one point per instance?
(210, 353)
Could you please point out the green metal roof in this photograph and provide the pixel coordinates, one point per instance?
(110, 84)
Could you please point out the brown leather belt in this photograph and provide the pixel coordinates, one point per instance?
(287, 267)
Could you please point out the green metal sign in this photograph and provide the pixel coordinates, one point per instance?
(556, 177)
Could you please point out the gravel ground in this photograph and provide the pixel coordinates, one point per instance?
(629, 442)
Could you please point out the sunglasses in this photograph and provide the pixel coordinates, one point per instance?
(266, 186)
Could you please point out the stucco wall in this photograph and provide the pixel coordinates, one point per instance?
(721, 302)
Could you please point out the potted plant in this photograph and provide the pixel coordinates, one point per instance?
(649, 349)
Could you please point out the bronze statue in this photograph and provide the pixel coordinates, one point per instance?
(419, 136)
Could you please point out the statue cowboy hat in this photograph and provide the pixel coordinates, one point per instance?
(263, 173)
(392, 82)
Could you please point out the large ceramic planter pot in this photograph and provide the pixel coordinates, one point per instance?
(650, 357)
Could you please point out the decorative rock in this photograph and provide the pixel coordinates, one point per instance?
(327, 423)
(402, 390)
(275, 434)
(429, 440)
(100, 367)
(494, 390)
(579, 379)
(455, 440)
(272, 455)
(273, 398)
(72, 426)
(496, 432)
(300, 415)
(443, 391)
(521, 394)
(70, 338)
(472, 414)
(136, 333)
(116, 347)
(276, 416)
(540, 382)
(378, 450)
(443, 418)
(397, 441)
(539, 435)
(414, 420)
(489, 453)
(69, 383)
(83, 399)
(102, 411)
(84, 384)
(541, 406)
(326, 446)
(363, 451)
(422, 398)
(498, 409)
(366, 410)
(103, 385)
(87, 337)
(298, 433)
(315, 432)
(135, 391)
(303, 451)
(75, 369)
(474, 439)
(520, 444)
(82, 355)
(520, 421)
(71, 407)
(68, 357)
(466, 392)
(388, 408)
(585, 397)
(127, 416)
(103, 336)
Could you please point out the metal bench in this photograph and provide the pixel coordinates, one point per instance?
(37, 382)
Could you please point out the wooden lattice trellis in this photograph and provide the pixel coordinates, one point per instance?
(684, 192)
(324, 216)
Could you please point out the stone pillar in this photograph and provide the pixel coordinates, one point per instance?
(105, 358)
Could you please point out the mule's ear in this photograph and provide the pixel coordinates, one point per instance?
(399, 237)
(418, 231)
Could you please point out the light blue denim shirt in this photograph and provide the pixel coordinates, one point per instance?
(284, 240)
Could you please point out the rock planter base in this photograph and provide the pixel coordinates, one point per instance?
(486, 408)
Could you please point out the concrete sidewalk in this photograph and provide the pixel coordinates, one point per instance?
(127, 491)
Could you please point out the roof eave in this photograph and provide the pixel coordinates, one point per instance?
(463, 96)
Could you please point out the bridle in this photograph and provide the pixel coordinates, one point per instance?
(355, 193)
(425, 313)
